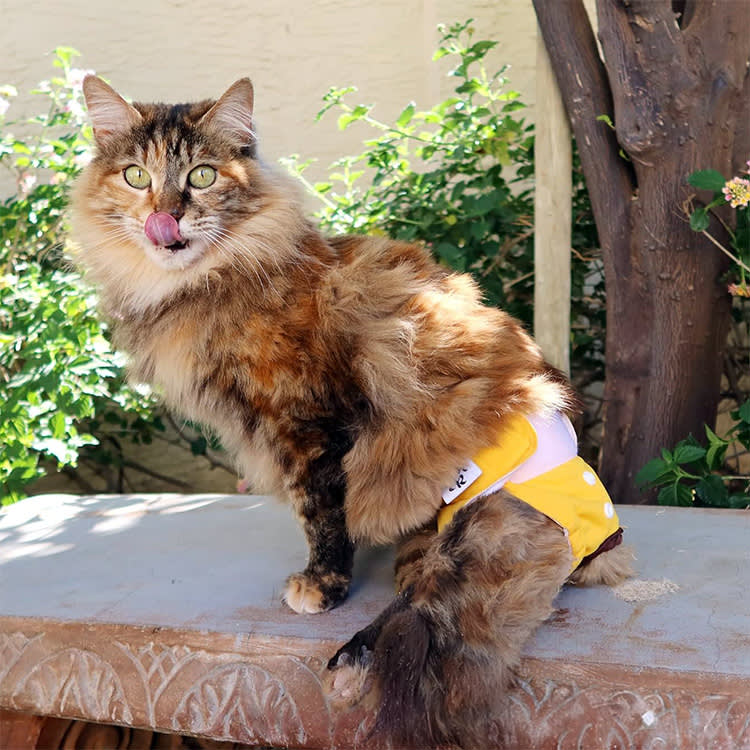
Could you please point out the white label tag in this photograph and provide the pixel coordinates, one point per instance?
(466, 477)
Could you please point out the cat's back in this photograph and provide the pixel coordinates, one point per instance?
(380, 279)
(378, 254)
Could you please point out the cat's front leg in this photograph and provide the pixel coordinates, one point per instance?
(324, 583)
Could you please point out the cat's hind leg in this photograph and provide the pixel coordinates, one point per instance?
(609, 568)
(440, 666)
(357, 651)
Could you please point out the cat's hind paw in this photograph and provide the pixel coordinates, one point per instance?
(358, 650)
(308, 594)
(349, 682)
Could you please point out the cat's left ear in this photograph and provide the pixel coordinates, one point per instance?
(110, 114)
(232, 115)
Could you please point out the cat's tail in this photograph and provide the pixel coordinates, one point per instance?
(439, 662)
(433, 699)
(421, 698)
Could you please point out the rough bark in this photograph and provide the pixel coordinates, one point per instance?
(678, 97)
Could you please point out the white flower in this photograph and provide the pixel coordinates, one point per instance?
(76, 76)
(26, 183)
(75, 109)
(82, 158)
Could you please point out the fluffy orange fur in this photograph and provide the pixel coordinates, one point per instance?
(351, 375)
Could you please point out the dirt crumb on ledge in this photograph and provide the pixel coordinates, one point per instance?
(644, 591)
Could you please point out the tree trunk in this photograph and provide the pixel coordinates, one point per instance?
(677, 90)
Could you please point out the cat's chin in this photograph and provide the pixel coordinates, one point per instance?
(177, 257)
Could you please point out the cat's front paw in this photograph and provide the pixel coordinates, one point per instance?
(309, 594)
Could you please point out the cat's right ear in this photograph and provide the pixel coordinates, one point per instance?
(110, 114)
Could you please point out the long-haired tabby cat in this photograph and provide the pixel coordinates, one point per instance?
(363, 382)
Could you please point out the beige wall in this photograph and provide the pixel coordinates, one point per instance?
(182, 49)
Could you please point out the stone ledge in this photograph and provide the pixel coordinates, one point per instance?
(162, 612)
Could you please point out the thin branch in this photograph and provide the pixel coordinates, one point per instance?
(214, 462)
(154, 474)
(730, 371)
(75, 476)
(583, 82)
(725, 251)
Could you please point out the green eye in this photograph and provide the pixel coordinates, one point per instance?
(137, 177)
(202, 177)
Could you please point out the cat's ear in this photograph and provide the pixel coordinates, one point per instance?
(232, 115)
(110, 114)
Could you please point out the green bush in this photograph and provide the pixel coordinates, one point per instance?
(458, 177)
(694, 475)
(58, 373)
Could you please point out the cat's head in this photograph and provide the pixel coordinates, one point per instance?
(173, 192)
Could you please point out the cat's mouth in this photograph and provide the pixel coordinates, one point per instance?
(168, 247)
(164, 231)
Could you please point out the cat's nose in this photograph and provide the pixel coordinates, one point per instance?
(169, 203)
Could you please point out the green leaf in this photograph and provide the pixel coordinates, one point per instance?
(715, 455)
(451, 255)
(198, 446)
(699, 220)
(482, 47)
(713, 438)
(687, 454)
(406, 115)
(712, 491)
(739, 500)
(744, 412)
(607, 120)
(653, 472)
(716, 449)
(675, 494)
(707, 179)
(57, 423)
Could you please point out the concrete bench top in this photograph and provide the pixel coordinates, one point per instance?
(163, 612)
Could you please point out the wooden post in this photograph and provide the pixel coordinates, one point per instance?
(552, 216)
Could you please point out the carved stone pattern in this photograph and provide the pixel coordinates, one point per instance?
(277, 698)
(242, 702)
(12, 646)
(74, 682)
(598, 718)
(157, 666)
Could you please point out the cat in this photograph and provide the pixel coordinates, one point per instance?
(357, 378)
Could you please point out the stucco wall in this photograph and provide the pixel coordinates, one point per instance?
(176, 50)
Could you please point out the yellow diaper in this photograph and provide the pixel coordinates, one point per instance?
(570, 494)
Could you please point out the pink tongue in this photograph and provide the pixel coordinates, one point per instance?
(162, 229)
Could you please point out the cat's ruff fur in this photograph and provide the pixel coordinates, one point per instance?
(350, 375)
